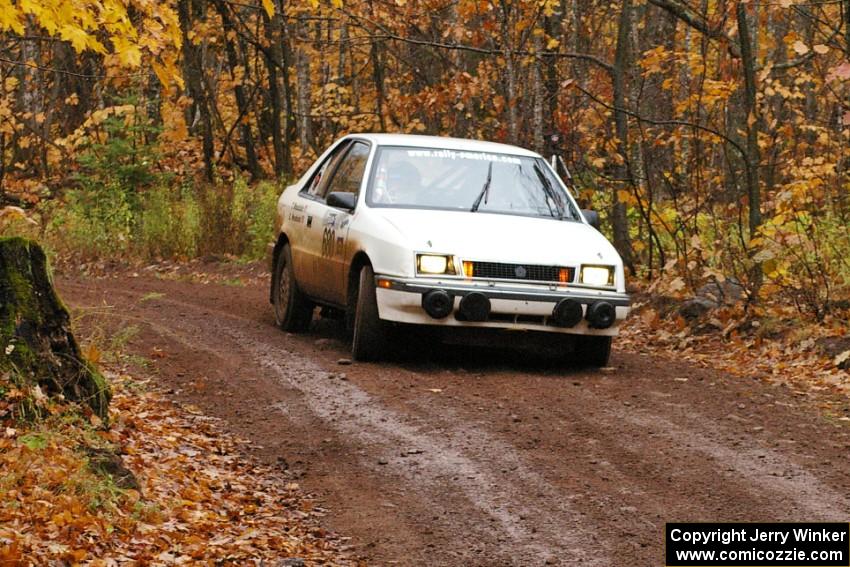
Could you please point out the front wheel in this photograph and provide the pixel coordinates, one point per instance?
(292, 311)
(370, 340)
(592, 350)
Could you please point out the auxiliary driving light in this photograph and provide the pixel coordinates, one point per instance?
(567, 313)
(475, 307)
(601, 315)
(437, 303)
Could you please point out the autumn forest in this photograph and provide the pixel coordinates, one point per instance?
(163, 416)
(712, 136)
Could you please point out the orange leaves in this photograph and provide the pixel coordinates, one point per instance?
(92, 353)
(11, 555)
(200, 501)
(771, 344)
(654, 59)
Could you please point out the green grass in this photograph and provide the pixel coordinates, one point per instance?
(167, 221)
(34, 441)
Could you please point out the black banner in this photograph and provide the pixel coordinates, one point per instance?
(758, 545)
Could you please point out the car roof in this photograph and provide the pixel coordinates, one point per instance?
(440, 142)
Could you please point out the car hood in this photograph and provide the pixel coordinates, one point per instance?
(501, 238)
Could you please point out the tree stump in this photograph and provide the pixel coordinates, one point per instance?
(36, 343)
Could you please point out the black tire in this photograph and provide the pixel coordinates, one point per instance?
(292, 311)
(370, 341)
(592, 350)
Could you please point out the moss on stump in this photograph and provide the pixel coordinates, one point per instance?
(36, 343)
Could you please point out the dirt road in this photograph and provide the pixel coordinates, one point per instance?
(467, 457)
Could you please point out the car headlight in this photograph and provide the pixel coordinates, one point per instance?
(597, 275)
(435, 264)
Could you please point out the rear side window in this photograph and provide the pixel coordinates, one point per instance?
(349, 174)
(315, 187)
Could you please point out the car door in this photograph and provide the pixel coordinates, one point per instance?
(306, 217)
(347, 177)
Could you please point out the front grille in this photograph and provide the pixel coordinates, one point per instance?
(501, 271)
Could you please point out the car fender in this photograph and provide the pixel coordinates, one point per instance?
(385, 245)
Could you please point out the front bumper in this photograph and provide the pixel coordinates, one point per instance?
(513, 306)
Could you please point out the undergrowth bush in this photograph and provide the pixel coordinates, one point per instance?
(164, 222)
(800, 256)
(125, 206)
(806, 260)
(169, 220)
(236, 218)
(92, 222)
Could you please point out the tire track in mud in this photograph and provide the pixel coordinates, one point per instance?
(440, 458)
(443, 462)
(762, 467)
(736, 458)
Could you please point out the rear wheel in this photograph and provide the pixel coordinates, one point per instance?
(292, 311)
(370, 340)
(592, 350)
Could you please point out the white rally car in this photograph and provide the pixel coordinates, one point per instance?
(414, 230)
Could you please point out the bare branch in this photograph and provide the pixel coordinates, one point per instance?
(387, 34)
(654, 122)
(69, 73)
(688, 15)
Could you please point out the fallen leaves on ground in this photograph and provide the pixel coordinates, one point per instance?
(199, 501)
(779, 348)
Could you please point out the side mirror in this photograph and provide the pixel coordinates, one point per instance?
(592, 218)
(341, 200)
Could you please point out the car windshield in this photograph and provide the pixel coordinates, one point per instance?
(429, 178)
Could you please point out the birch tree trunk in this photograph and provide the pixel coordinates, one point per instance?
(539, 92)
(302, 101)
(510, 73)
(622, 59)
(192, 69)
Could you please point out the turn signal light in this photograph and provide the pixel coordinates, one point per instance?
(564, 275)
(468, 269)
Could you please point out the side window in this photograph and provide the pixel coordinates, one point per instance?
(319, 180)
(349, 174)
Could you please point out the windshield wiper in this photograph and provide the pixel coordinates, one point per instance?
(484, 190)
(550, 192)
